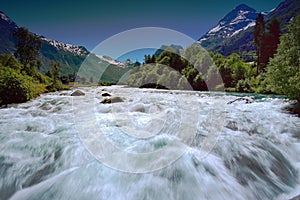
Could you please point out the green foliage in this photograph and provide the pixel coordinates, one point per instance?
(194, 69)
(171, 58)
(243, 85)
(283, 73)
(15, 87)
(236, 74)
(28, 45)
(55, 84)
(11, 61)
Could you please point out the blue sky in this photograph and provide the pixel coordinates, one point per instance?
(89, 22)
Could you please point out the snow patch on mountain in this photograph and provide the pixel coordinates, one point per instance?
(77, 50)
(241, 17)
(215, 29)
(111, 61)
(242, 29)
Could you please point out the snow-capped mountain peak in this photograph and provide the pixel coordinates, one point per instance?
(240, 18)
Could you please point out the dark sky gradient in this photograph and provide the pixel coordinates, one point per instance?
(89, 22)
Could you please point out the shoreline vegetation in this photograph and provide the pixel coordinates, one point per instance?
(276, 69)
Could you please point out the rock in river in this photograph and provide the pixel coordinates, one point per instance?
(78, 93)
(112, 100)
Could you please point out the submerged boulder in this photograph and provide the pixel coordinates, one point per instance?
(78, 93)
(112, 100)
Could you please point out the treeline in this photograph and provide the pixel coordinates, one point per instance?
(276, 69)
(20, 80)
(194, 69)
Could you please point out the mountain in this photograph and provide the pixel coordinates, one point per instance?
(7, 40)
(112, 61)
(234, 33)
(284, 12)
(237, 20)
(70, 57)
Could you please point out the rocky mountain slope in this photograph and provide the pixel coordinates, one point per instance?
(234, 33)
(70, 57)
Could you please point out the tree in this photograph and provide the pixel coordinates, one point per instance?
(283, 73)
(28, 45)
(274, 31)
(259, 33)
(55, 75)
(270, 42)
(153, 58)
(27, 49)
(147, 59)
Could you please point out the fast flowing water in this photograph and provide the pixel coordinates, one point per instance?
(153, 145)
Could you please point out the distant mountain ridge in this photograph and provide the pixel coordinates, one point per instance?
(70, 57)
(234, 33)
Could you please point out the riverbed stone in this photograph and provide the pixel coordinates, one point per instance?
(78, 93)
(106, 94)
(112, 100)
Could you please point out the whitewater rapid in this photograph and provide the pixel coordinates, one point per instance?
(154, 144)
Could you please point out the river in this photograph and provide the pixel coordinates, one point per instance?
(152, 144)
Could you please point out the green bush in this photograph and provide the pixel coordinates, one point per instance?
(56, 83)
(244, 86)
(15, 87)
(11, 61)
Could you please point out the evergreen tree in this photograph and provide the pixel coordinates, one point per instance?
(271, 40)
(147, 59)
(259, 33)
(153, 59)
